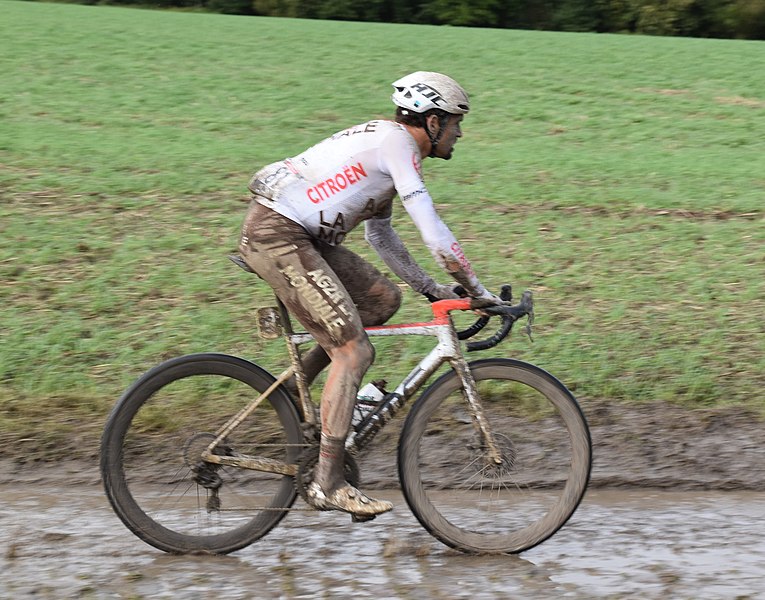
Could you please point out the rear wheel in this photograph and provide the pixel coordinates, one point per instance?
(151, 462)
(473, 503)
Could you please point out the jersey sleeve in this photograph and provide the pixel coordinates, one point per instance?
(400, 158)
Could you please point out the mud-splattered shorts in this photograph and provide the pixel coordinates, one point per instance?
(326, 288)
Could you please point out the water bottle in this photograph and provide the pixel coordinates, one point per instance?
(367, 400)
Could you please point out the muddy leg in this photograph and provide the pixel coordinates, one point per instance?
(376, 298)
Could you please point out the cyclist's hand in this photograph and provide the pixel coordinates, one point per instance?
(484, 301)
(487, 299)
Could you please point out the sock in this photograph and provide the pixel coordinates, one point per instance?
(330, 471)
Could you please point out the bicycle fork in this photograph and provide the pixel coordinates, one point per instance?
(473, 400)
(470, 394)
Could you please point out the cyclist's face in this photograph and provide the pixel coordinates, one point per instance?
(452, 131)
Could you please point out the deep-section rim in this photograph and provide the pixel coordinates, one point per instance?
(471, 542)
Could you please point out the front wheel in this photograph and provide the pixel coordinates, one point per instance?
(477, 504)
(151, 451)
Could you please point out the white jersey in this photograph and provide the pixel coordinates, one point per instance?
(353, 176)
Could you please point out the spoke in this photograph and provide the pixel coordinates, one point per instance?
(469, 467)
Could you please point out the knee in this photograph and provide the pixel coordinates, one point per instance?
(395, 299)
(364, 351)
(357, 354)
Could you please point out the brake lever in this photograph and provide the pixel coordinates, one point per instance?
(505, 294)
(508, 314)
(524, 307)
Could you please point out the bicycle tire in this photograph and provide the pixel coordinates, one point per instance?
(489, 508)
(157, 430)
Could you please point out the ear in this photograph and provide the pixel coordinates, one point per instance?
(433, 124)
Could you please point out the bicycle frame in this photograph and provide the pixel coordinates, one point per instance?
(447, 349)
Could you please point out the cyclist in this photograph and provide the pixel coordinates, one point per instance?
(302, 209)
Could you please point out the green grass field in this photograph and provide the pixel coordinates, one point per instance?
(620, 178)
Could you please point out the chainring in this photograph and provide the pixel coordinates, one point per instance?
(307, 462)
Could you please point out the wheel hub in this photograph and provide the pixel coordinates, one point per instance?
(490, 466)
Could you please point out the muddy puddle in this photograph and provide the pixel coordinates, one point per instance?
(65, 542)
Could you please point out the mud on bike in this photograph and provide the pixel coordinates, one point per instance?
(206, 453)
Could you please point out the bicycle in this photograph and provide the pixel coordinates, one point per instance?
(186, 480)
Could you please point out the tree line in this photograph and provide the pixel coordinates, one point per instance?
(742, 19)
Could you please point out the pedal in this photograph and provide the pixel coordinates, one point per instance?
(361, 519)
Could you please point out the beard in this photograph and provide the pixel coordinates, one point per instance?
(446, 156)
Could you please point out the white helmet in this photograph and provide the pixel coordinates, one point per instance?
(425, 90)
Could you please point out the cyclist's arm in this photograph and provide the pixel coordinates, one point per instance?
(443, 245)
(386, 242)
(400, 159)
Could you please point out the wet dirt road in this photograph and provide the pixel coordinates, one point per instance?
(65, 542)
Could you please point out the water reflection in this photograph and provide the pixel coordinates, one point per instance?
(66, 542)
